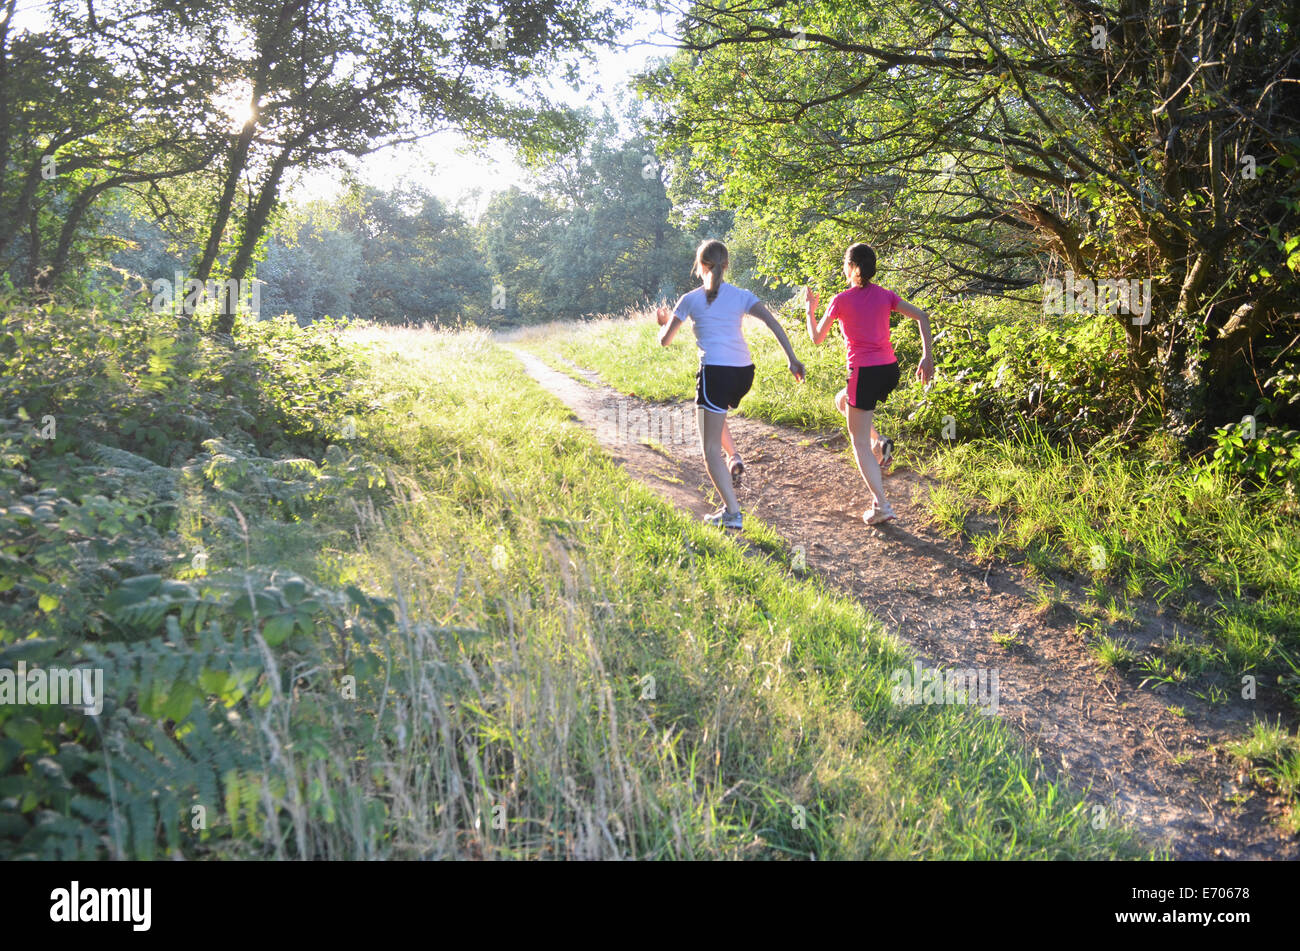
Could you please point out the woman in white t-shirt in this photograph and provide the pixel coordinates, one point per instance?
(726, 369)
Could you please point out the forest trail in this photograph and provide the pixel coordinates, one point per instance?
(1142, 764)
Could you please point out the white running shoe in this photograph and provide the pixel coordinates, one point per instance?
(874, 516)
(736, 467)
(724, 519)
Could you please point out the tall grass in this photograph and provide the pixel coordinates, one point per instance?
(1134, 522)
(432, 620)
(625, 683)
(1145, 526)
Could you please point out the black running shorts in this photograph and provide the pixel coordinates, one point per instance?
(719, 388)
(870, 385)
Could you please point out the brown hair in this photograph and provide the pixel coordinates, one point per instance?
(714, 254)
(863, 257)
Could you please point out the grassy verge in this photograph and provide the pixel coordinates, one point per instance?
(749, 713)
(430, 620)
(1133, 525)
(1149, 528)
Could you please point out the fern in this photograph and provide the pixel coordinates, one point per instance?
(220, 702)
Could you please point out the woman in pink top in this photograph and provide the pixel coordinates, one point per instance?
(863, 312)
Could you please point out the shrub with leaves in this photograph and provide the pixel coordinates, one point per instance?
(122, 453)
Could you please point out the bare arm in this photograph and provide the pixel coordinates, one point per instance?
(760, 311)
(925, 369)
(668, 324)
(816, 331)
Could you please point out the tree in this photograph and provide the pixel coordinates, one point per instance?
(617, 248)
(596, 236)
(987, 143)
(516, 229)
(78, 124)
(419, 260)
(312, 264)
(329, 81)
(302, 82)
(398, 256)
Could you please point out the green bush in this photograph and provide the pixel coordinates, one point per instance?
(125, 455)
(1006, 369)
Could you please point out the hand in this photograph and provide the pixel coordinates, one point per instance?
(663, 314)
(925, 369)
(797, 369)
(813, 300)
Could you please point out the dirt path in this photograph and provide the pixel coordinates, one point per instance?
(1143, 764)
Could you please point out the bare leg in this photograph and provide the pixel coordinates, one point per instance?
(842, 404)
(861, 427)
(728, 445)
(711, 426)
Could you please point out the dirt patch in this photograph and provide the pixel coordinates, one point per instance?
(1141, 764)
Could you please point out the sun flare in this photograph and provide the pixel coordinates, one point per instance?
(236, 102)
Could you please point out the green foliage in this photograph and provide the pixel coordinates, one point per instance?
(163, 99)
(591, 236)
(116, 470)
(1255, 449)
(83, 125)
(1007, 370)
(984, 149)
(259, 703)
(395, 257)
(1267, 455)
(184, 662)
(594, 236)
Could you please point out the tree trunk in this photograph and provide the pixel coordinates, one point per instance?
(226, 201)
(267, 198)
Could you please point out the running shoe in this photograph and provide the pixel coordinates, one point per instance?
(874, 516)
(724, 519)
(737, 469)
(886, 450)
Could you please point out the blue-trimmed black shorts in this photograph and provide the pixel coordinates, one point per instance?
(719, 388)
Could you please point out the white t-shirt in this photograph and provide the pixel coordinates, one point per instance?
(718, 331)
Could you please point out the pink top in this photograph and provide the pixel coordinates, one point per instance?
(864, 312)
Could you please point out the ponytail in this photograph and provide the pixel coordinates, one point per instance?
(714, 254)
(711, 292)
(862, 257)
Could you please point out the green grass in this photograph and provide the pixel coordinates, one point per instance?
(1267, 743)
(1272, 756)
(1111, 652)
(1133, 525)
(1138, 528)
(432, 620)
(771, 732)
